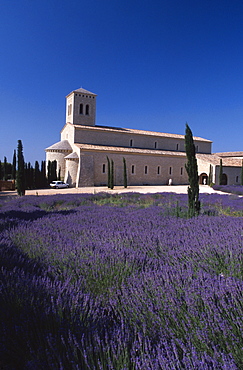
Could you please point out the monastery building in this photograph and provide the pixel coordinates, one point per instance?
(152, 158)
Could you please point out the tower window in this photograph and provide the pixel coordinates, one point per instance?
(87, 109)
(158, 170)
(69, 109)
(103, 168)
(131, 142)
(237, 178)
(81, 109)
(177, 146)
(155, 144)
(133, 169)
(146, 170)
(181, 170)
(170, 171)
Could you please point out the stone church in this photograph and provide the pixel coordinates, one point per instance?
(152, 158)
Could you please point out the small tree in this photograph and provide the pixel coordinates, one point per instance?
(124, 173)
(29, 181)
(5, 169)
(112, 174)
(221, 172)
(21, 170)
(52, 171)
(210, 176)
(1, 171)
(108, 172)
(37, 176)
(192, 171)
(14, 166)
(43, 175)
(241, 177)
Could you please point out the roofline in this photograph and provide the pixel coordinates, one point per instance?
(128, 150)
(84, 92)
(135, 131)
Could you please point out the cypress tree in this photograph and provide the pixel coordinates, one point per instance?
(112, 174)
(1, 171)
(54, 170)
(29, 176)
(49, 172)
(5, 170)
(241, 177)
(108, 172)
(210, 176)
(14, 166)
(221, 172)
(37, 175)
(192, 171)
(21, 170)
(124, 172)
(43, 175)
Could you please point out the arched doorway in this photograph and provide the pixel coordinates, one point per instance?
(224, 179)
(203, 179)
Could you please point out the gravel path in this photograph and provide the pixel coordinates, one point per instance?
(182, 189)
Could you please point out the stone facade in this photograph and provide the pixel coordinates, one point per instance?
(152, 158)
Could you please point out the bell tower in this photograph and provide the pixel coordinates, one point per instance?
(81, 107)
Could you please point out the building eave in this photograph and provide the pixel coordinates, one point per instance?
(129, 131)
(128, 150)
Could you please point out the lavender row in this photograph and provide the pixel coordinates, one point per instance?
(86, 286)
(233, 189)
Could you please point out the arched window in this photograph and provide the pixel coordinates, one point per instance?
(81, 109)
(237, 179)
(87, 109)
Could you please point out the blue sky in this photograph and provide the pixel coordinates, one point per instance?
(154, 65)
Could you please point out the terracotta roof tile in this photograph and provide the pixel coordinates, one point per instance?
(230, 154)
(82, 91)
(106, 148)
(60, 145)
(134, 131)
(215, 160)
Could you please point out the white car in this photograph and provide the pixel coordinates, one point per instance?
(58, 185)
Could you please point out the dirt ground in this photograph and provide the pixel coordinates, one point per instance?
(181, 189)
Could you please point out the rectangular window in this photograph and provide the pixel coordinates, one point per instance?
(155, 145)
(181, 170)
(177, 146)
(146, 170)
(158, 170)
(133, 169)
(170, 171)
(103, 168)
(131, 142)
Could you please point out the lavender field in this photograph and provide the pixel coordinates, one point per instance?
(121, 282)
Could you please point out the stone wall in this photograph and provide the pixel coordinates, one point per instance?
(124, 138)
(141, 169)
